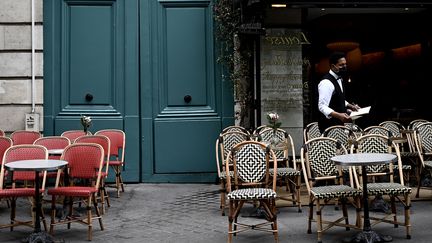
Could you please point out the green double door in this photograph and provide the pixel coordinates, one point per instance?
(144, 66)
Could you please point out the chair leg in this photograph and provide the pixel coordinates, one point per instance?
(393, 209)
(345, 212)
(230, 221)
(297, 188)
(98, 212)
(13, 211)
(319, 220)
(222, 196)
(53, 214)
(407, 215)
(419, 177)
(311, 205)
(89, 218)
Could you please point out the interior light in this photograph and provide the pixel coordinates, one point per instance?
(278, 5)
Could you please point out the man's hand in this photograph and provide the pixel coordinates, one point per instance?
(353, 107)
(344, 117)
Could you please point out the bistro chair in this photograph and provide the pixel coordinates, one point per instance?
(2, 133)
(324, 183)
(117, 151)
(224, 143)
(74, 134)
(410, 132)
(5, 143)
(53, 142)
(287, 171)
(104, 141)
(85, 163)
(15, 153)
(24, 137)
(423, 139)
(251, 181)
(381, 179)
(400, 137)
(311, 131)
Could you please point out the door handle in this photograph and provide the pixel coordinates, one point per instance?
(187, 98)
(89, 97)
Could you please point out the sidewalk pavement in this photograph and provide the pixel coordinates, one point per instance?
(190, 213)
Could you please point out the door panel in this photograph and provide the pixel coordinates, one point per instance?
(91, 68)
(186, 56)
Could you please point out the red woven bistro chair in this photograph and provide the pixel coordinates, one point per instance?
(2, 133)
(5, 143)
(117, 151)
(15, 153)
(53, 142)
(85, 162)
(104, 141)
(24, 137)
(74, 134)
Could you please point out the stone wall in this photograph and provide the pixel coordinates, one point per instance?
(15, 63)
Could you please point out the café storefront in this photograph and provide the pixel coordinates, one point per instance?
(150, 68)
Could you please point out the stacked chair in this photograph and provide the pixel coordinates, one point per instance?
(103, 141)
(224, 144)
(117, 151)
(287, 165)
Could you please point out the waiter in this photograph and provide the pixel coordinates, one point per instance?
(334, 109)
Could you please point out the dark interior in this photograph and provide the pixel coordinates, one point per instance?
(396, 82)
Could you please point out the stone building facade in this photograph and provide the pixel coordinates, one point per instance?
(16, 95)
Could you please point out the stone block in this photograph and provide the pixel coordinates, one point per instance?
(20, 11)
(13, 117)
(19, 64)
(19, 91)
(18, 37)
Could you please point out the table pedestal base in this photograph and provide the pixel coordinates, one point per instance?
(40, 237)
(369, 237)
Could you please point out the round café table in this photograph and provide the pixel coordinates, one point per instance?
(37, 165)
(363, 160)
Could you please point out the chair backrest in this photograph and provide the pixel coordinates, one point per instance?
(5, 143)
(250, 165)
(311, 131)
(102, 140)
(343, 134)
(316, 161)
(24, 137)
(53, 142)
(423, 137)
(394, 127)
(224, 144)
(414, 123)
(278, 136)
(376, 143)
(85, 161)
(235, 129)
(2, 133)
(25, 152)
(74, 134)
(117, 140)
(378, 130)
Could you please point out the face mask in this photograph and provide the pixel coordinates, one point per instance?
(342, 71)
